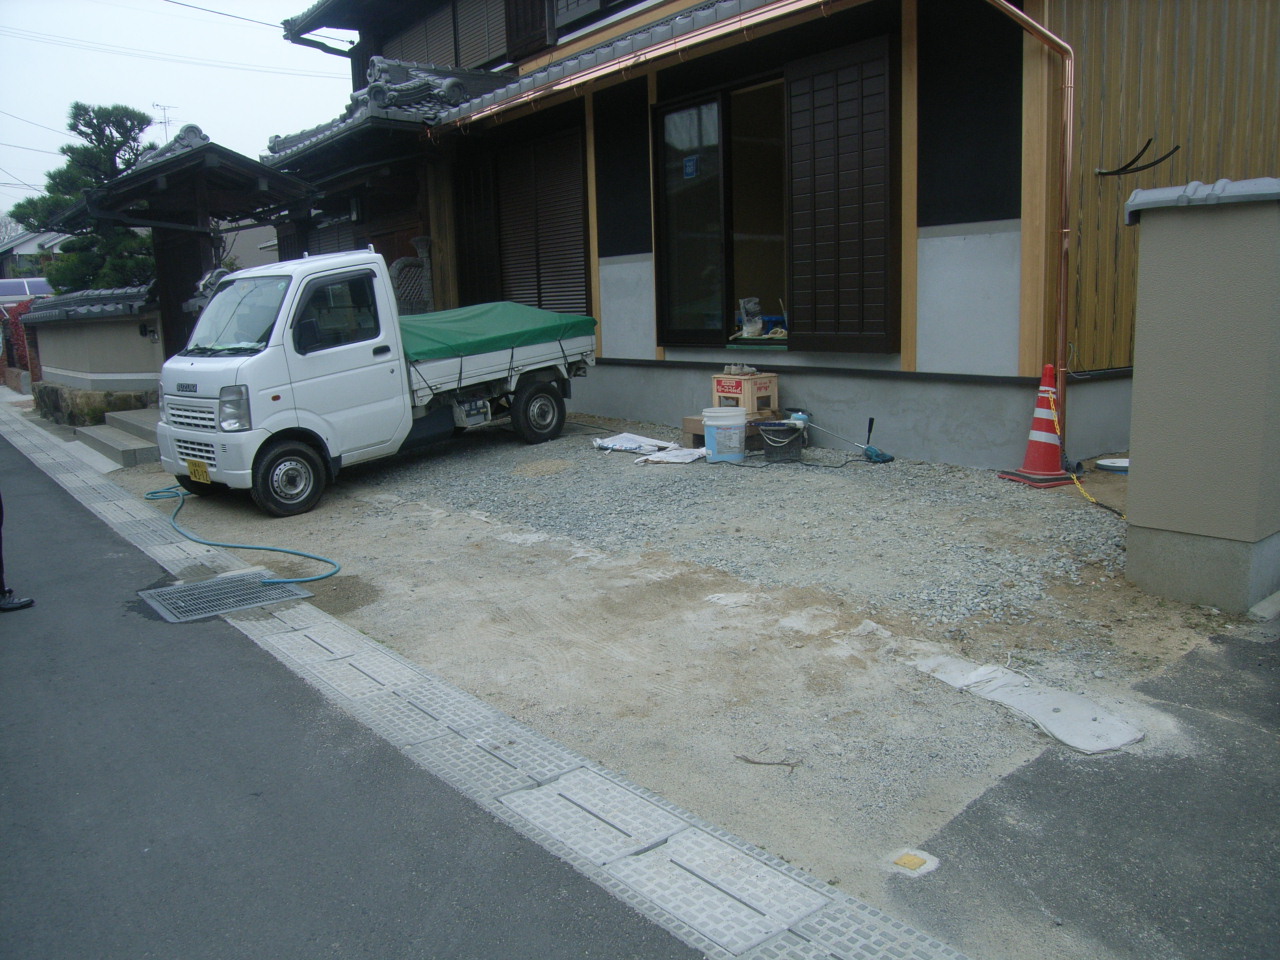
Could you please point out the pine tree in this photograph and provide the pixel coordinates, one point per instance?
(104, 254)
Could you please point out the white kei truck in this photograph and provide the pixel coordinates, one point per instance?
(297, 369)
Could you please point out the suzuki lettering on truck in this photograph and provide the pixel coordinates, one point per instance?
(299, 368)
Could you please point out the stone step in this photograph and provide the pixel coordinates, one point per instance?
(122, 447)
(140, 423)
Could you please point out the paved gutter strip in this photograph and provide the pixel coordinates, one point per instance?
(713, 890)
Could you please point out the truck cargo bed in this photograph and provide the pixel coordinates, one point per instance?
(451, 349)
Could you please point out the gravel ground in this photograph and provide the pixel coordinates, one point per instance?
(939, 545)
(742, 639)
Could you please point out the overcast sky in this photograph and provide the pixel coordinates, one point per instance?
(237, 79)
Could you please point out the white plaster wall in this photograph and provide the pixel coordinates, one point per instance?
(100, 354)
(969, 278)
(628, 310)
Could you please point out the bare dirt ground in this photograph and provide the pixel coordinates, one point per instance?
(791, 714)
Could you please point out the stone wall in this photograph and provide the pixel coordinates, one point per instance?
(85, 408)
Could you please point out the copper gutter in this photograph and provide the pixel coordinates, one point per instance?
(1063, 49)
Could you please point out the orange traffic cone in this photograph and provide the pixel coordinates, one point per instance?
(1042, 466)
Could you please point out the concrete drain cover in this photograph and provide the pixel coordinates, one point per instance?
(209, 598)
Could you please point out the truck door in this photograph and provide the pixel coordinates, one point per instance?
(346, 365)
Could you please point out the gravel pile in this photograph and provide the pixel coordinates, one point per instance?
(939, 544)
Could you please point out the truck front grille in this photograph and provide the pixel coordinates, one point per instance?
(191, 450)
(192, 417)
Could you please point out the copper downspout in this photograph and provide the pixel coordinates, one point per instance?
(1063, 49)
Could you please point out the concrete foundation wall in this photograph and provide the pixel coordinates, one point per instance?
(968, 422)
(1228, 574)
(1098, 414)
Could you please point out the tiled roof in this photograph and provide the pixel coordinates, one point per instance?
(464, 102)
(90, 305)
(398, 91)
(189, 138)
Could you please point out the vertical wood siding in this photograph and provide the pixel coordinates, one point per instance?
(1203, 75)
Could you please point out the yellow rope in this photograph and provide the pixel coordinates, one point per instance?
(1057, 428)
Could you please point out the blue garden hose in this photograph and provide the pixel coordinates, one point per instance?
(177, 493)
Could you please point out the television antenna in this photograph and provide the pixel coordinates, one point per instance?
(164, 109)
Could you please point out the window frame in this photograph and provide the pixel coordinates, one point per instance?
(867, 326)
(314, 286)
(666, 335)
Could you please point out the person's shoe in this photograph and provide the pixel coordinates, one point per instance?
(9, 602)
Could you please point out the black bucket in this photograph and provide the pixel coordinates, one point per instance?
(783, 440)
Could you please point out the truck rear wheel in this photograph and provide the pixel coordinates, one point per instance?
(537, 412)
(288, 479)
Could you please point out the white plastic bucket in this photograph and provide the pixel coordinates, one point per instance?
(725, 433)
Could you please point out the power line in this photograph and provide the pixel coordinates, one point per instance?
(52, 40)
(62, 132)
(191, 6)
(20, 183)
(18, 146)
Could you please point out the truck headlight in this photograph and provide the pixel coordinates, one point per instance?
(233, 409)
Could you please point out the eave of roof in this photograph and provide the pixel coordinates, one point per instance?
(246, 184)
(346, 15)
(288, 149)
(89, 305)
(191, 149)
(667, 37)
(670, 36)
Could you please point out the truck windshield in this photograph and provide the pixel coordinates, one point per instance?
(239, 317)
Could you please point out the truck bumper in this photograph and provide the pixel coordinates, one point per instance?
(227, 456)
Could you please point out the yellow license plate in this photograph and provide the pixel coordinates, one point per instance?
(199, 471)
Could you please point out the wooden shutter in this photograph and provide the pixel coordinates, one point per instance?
(518, 226)
(571, 11)
(442, 49)
(842, 276)
(482, 31)
(334, 238)
(409, 44)
(526, 27)
(479, 277)
(542, 223)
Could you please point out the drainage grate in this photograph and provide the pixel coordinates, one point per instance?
(208, 598)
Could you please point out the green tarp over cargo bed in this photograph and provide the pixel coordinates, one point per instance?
(486, 328)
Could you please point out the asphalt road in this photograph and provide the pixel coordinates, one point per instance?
(171, 790)
(1145, 856)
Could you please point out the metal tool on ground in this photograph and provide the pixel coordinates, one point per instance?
(873, 454)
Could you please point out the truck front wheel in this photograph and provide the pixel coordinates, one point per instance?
(537, 412)
(288, 479)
